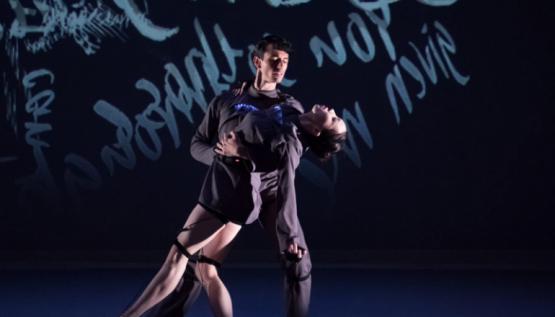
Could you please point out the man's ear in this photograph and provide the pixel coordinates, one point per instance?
(256, 61)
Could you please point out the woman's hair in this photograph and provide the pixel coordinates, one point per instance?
(326, 144)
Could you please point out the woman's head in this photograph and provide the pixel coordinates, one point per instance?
(326, 131)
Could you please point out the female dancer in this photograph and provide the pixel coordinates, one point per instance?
(263, 141)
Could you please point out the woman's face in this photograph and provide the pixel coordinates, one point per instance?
(325, 118)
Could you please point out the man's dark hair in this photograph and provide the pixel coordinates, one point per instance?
(326, 144)
(277, 42)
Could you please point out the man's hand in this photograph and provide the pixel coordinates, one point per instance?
(294, 252)
(230, 145)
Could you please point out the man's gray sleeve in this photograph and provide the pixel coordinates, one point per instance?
(287, 220)
(202, 143)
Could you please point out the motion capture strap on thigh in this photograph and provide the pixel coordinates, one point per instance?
(303, 278)
(207, 260)
(295, 279)
(294, 261)
(182, 249)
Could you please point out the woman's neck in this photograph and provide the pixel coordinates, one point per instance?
(302, 132)
(306, 124)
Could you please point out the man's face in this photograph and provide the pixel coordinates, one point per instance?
(273, 65)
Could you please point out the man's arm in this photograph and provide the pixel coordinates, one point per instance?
(203, 139)
(287, 219)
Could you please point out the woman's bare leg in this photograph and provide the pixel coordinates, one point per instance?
(216, 250)
(200, 228)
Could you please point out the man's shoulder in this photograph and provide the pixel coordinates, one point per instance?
(236, 91)
(225, 98)
(291, 101)
(286, 96)
(226, 95)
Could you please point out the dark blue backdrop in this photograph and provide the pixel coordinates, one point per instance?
(448, 103)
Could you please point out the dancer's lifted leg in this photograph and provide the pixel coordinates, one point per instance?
(200, 228)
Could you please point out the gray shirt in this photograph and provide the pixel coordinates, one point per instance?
(273, 150)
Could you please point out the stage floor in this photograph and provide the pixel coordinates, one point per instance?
(257, 292)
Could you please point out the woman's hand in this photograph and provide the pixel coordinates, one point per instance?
(239, 90)
(230, 145)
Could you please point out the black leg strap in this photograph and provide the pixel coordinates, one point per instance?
(207, 260)
(294, 279)
(182, 249)
(303, 278)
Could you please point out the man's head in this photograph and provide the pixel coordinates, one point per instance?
(271, 58)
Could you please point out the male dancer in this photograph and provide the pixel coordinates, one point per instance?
(271, 57)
